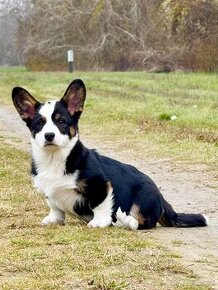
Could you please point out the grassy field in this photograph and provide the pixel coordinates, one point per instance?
(120, 106)
(74, 256)
(137, 107)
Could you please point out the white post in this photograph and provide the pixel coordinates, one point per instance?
(70, 59)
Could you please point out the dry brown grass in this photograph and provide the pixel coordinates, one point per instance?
(73, 256)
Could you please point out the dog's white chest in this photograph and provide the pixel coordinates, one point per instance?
(58, 187)
(50, 183)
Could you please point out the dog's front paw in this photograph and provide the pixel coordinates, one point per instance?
(51, 219)
(97, 223)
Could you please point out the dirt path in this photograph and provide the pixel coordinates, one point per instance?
(188, 187)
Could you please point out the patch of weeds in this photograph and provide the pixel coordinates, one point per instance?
(16, 139)
(190, 286)
(202, 260)
(209, 259)
(175, 255)
(177, 243)
(23, 243)
(107, 284)
(165, 116)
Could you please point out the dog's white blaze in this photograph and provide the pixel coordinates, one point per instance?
(47, 109)
(103, 212)
(60, 139)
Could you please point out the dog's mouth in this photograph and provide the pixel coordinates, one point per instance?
(49, 145)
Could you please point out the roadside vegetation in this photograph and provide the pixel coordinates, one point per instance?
(134, 111)
(158, 35)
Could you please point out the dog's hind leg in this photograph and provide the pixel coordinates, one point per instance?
(126, 221)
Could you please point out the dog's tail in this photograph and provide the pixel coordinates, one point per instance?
(170, 218)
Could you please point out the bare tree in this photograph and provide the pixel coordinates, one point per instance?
(7, 35)
(112, 34)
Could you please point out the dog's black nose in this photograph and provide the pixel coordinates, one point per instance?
(49, 136)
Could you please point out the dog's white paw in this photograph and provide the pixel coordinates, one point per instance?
(124, 220)
(117, 224)
(97, 223)
(121, 215)
(51, 219)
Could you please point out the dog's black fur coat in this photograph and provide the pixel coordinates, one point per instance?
(130, 187)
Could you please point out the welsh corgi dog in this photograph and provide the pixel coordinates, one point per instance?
(79, 181)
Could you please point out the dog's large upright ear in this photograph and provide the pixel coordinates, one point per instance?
(24, 103)
(74, 97)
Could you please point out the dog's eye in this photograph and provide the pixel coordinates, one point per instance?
(40, 122)
(61, 121)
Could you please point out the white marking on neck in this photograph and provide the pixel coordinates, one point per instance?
(50, 161)
(51, 178)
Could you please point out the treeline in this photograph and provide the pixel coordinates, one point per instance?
(158, 35)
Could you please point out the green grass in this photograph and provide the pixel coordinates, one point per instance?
(74, 256)
(130, 110)
(137, 107)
